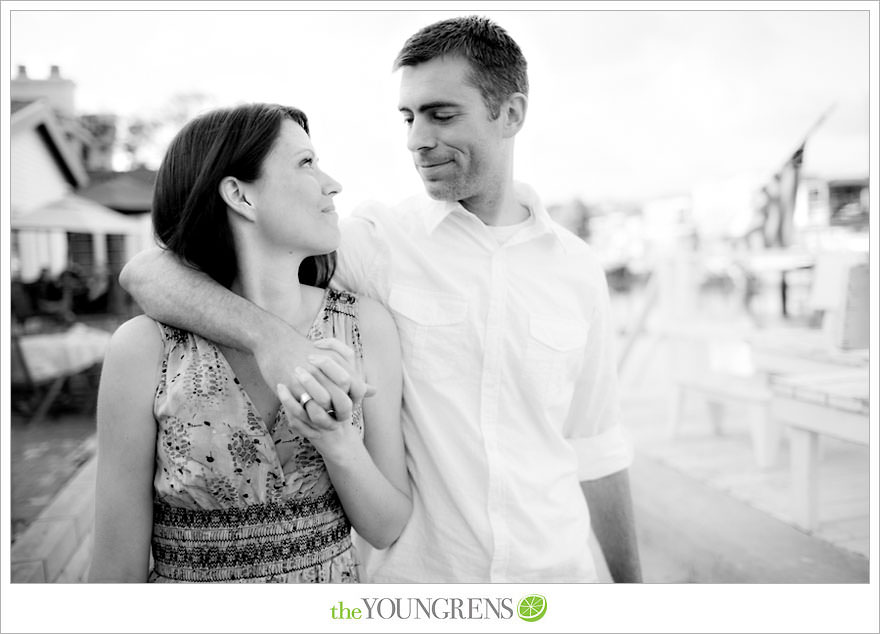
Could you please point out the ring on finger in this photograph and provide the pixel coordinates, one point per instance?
(305, 398)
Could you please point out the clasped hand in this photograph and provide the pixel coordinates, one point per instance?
(324, 417)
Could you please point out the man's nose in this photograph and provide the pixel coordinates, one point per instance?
(420, 136)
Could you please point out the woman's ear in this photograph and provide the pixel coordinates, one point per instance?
(232, 193)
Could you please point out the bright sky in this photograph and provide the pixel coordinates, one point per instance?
(624, 104)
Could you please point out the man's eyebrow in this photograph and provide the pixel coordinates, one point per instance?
(433, 105)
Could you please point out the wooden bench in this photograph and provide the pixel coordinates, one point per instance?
(740, 372)
(723, 391)
(717, 367)
(815, 404)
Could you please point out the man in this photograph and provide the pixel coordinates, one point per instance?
(509, 396)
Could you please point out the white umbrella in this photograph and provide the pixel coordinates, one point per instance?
(76, 214)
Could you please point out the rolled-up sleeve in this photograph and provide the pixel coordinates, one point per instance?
(604, 454)
(592, 425)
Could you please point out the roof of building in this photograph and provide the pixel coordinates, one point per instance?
(128, 192)
(37, 115)
(18, 104)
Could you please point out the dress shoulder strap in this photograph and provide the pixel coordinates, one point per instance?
(172, 336)
(340, 320)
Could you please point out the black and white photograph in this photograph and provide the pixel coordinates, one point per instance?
(552, 316)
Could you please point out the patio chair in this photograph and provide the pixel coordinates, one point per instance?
(31, 397)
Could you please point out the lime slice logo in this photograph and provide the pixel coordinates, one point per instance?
(532, 608)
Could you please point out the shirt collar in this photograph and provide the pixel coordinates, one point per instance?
(436, 211)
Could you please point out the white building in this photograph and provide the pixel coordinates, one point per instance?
(42, 171)
(50, 151)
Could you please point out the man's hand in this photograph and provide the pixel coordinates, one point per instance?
(327, 426)
(330, 372)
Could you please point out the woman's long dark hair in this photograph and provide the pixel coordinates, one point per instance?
(190, 216)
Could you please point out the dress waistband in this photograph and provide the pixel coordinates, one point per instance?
(247, 542)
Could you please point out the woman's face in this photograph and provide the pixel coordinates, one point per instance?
(293, 198)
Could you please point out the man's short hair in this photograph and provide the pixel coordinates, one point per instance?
(498, 67)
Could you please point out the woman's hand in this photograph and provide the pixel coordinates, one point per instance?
(336, 439)
(323, 412)
(279, 359)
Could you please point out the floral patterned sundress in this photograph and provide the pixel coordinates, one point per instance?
(237, 500)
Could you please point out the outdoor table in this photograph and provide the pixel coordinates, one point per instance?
(51, 355)
(833, 403)
(786, 349)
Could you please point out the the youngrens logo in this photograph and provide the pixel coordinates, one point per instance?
(529, 608)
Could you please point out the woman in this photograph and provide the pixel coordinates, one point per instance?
(225, 478)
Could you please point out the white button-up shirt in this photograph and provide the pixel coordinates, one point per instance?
(509, 395)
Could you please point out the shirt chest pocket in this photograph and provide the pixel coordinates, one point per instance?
(554, 356)
(433, 332)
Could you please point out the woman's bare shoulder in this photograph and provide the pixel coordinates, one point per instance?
(138, 335)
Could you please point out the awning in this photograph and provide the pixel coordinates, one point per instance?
(76, 214)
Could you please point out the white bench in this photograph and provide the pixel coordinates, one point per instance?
(722, 373)
(811, 405)
(723, 391)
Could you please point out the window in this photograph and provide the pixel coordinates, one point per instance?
(80, 250)
(115, 252)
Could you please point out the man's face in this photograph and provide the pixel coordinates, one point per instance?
(457, 149)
